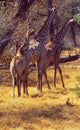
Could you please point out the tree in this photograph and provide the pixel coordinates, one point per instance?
(23, 6)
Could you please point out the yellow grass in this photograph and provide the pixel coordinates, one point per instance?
(48, 111)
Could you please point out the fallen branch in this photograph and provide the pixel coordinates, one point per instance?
(67, 59)
(70, 58)
(42, 14)
(33, 66)
(4, 66)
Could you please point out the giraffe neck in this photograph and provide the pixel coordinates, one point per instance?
(61, 34)
(44, 33)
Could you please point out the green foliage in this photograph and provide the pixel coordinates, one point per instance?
(78, 79)
(77, 19)
(77, 91)
(43, 0)
(77, 0)
(66, 48)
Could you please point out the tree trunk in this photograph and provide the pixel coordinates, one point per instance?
(6, 37)
(23, 6)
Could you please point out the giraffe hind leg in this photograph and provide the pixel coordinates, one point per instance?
(60, 71)
(45, 75)
(40, 81)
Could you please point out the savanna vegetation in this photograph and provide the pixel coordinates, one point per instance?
(54, 109)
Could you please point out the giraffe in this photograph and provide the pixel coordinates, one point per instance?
(20, 64)
(58, 47)
(16, 76)
(33, 54)
(45, 35)
(54, 51)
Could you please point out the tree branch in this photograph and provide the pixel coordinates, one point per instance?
(23, 6)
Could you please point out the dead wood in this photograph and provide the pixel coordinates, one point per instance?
(5, 39)
(23, 6)
(42, 14)
(67, 59)
(4, 66)
(70, 58)
(33, 66)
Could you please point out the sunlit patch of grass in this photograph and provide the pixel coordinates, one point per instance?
(78, 78)
(77, 91)
(46, 111)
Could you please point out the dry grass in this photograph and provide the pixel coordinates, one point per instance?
(48, 111)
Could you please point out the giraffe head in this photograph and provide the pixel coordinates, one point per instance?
(29, 33)
(71, 20)
(53, 9)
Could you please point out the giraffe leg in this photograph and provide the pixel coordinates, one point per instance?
(23, 84)
(18, 90)
(60, 71)
(23, 87)
(55, 70)
(39, 81)
(26, 86)
(19, 87)
(45, 75)
(25, 80)
(13, 82)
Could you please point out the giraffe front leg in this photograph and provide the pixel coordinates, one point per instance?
(39, 87)
(38, 81)
(26, 86)
(19, 88)
(25, 80)
(55, 70)
(13, 82)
